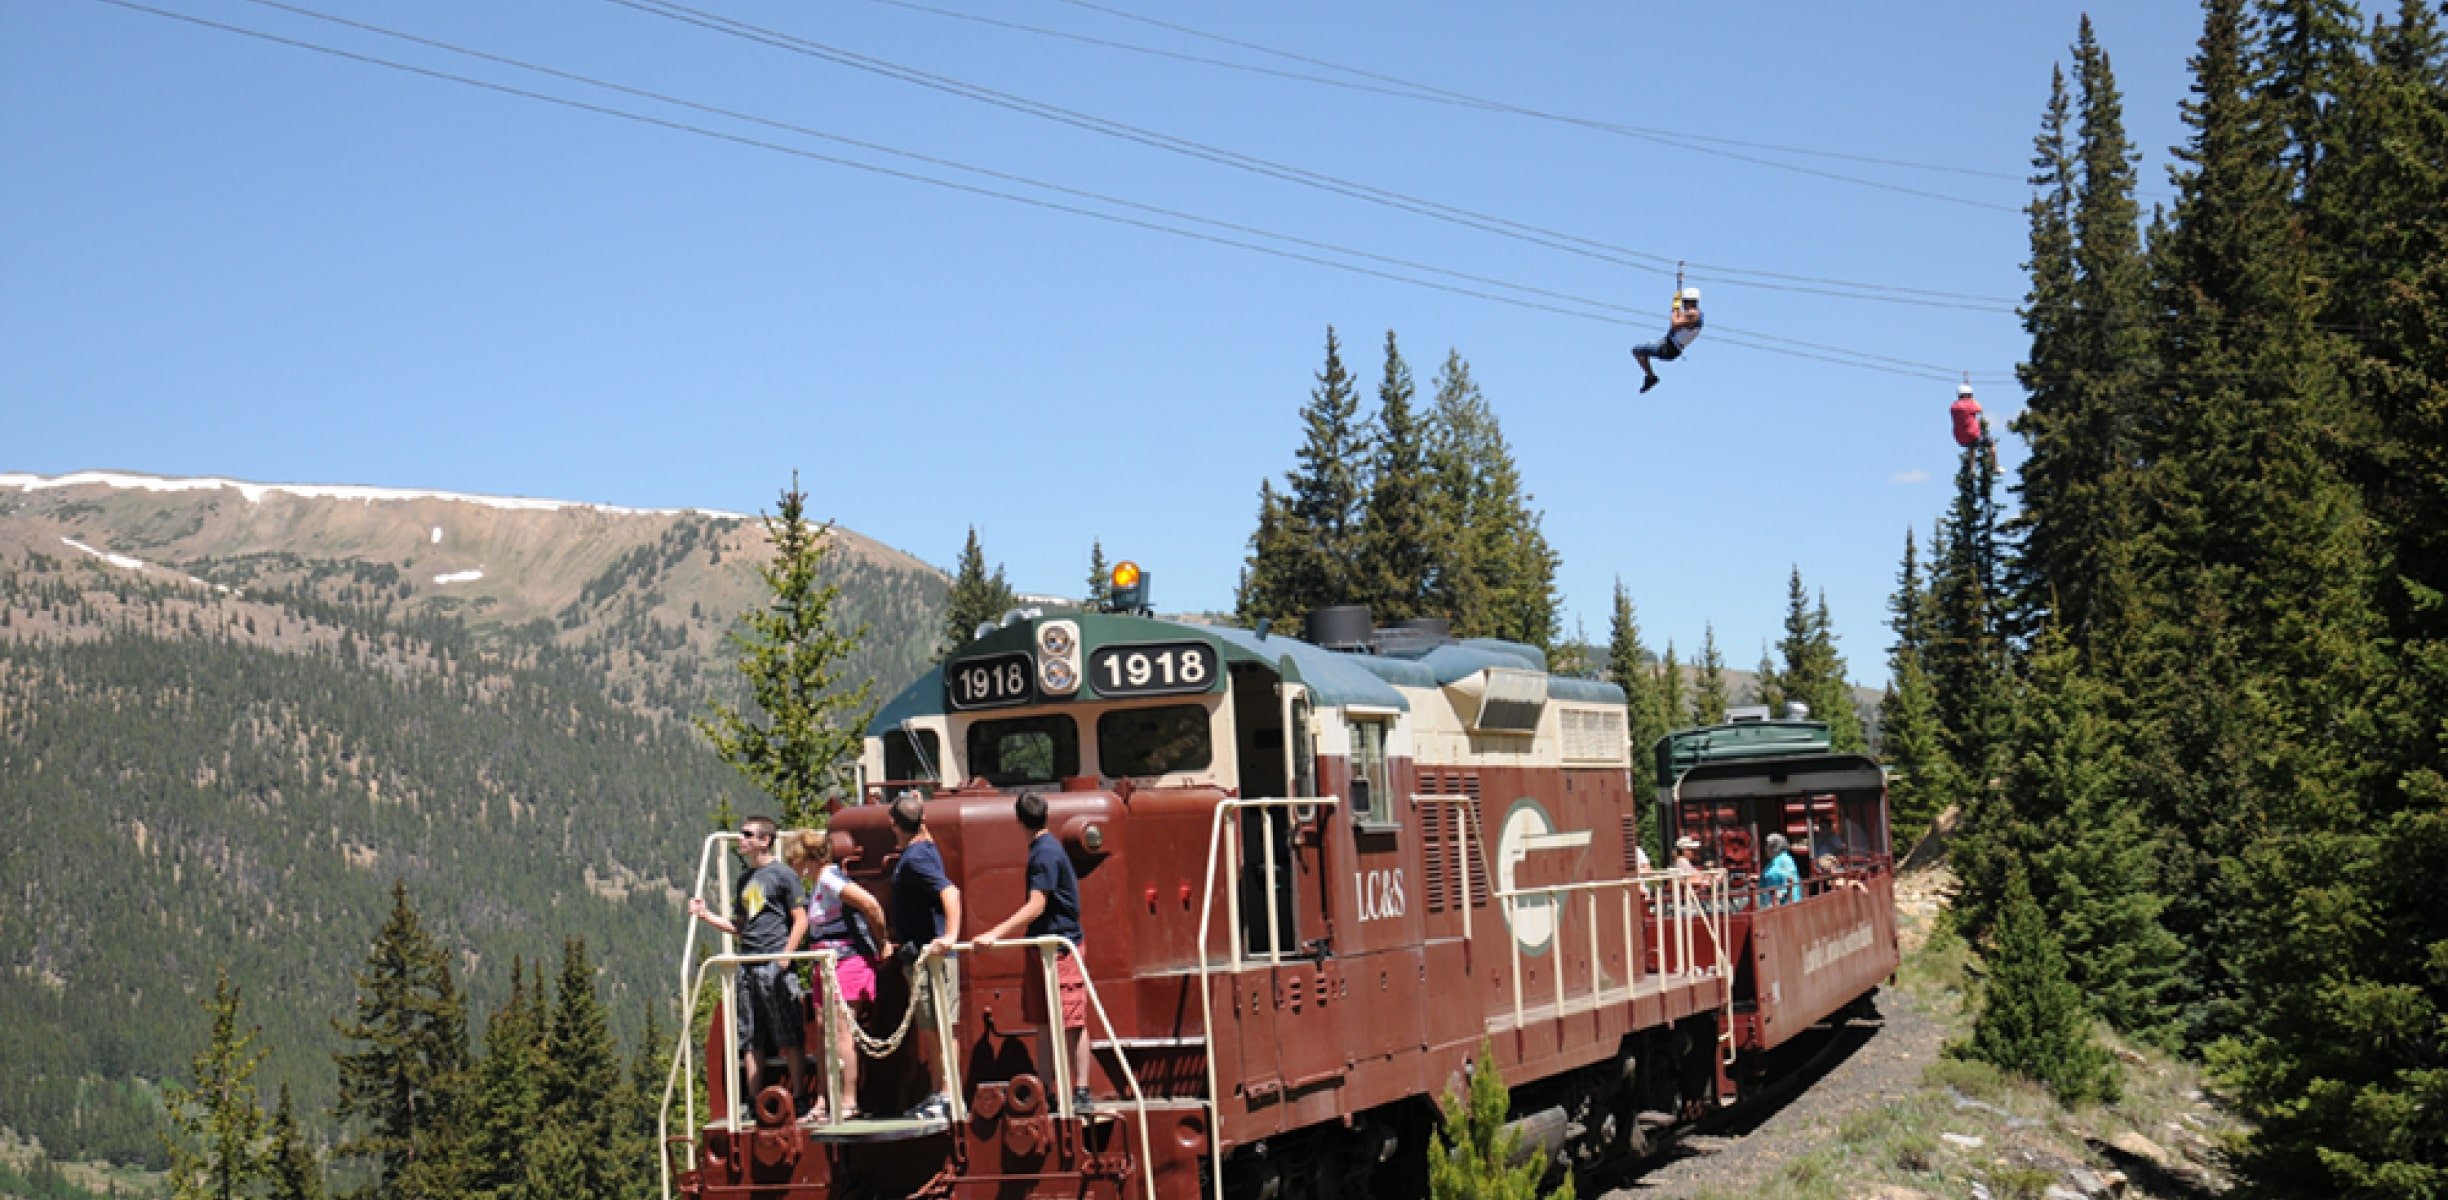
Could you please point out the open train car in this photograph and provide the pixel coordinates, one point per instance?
(1321, 879)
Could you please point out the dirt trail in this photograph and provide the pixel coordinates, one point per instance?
(1883, 1065)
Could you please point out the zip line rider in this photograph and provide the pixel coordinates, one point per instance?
(1682, 328)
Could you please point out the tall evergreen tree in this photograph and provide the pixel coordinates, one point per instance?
(1308, 536)
(506, 1096)
(217, 1149)
(1670, 690)
(400, 1078)
(800, 735)
(1499, 577)
(1967, 653)
(976, 598)
(1709, 690)
(1402, 539)
(291, 1170)
(1767, 684)
(2308, 51)
(1628, 667)
(1922, 779)
(2094, 865)
(581, 1087)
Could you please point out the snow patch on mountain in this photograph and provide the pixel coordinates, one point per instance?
(255, 492)
(121, 561)
(126, 563)
(469, 576)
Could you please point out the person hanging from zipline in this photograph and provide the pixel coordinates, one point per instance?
(1682, 327)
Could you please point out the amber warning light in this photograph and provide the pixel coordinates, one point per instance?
(1130, 589)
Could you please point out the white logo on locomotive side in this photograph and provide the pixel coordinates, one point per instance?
(1526, 829)
(1380, 893)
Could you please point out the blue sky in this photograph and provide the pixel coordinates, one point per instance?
(221, 255)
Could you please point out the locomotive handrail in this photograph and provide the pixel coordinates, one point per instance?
(1686, 907)
(1047, 946)
(1232, 898)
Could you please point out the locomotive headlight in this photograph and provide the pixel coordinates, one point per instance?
(1058, 667)
(1057, 676)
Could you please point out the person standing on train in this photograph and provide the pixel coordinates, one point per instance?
(768, 917)
(842, 918)
(926, 918)
(1051, 909)
(1686, 848)
(1781, 883)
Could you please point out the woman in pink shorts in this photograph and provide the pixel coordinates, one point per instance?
(842, 917)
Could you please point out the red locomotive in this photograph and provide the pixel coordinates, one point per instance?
(1317, 877)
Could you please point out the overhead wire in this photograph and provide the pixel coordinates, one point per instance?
(1388, 85)
(1641, 260)
(1565, 304)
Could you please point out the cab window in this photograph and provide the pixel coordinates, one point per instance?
(1155, 741)
(1024, 750)
(911, 754)
(1369, 802)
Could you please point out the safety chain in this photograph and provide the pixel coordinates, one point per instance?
(883, 1047)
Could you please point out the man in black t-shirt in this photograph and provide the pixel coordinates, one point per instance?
(768, 916)
(1052, 908)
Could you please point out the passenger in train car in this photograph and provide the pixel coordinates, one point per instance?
(1687, 848)
(1780, 883)
(1051, 909)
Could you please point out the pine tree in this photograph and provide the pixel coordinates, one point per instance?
(801, 735)
(2094, 866)
(1498, 579)
(976, 598)
(1766, 688)
(217, 1147)
(400, 1080)
(1100, 576)
(1302, 555)
(1670, 690)
(1709, 692)
(291, 1170)
(507, 1093)
(580, 1081)
(1967, 653)
(1921, 779)
(2032, 1020)
(1628, 667)
(1402, 539)
(1473, 1155)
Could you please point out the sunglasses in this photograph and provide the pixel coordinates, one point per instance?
(751, 833)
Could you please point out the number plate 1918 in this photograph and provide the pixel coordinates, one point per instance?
(1152, 668)
(989, 681)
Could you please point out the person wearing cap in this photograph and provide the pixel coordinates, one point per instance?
(1686, 847)
(1682, 328)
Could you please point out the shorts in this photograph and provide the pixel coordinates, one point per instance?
(769, 1009)
(1069, 982)
(853, 973)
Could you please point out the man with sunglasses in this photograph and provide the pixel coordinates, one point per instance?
(768, 916)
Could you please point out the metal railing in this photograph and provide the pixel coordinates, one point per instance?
(941, 982)
(1678, 907)
(1234, 807)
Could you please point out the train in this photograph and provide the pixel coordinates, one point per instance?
(1322, 880)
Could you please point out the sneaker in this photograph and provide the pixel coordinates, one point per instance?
(1081, 1101)
(1648, 383)
(937, 1107)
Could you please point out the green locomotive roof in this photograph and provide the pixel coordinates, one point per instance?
(1334, 679)
(1685, 749)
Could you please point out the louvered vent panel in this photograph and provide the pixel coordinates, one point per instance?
(1631, 845)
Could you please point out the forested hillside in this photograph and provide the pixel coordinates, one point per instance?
(219, 749)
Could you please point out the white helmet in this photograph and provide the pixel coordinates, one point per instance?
(1691, 295)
